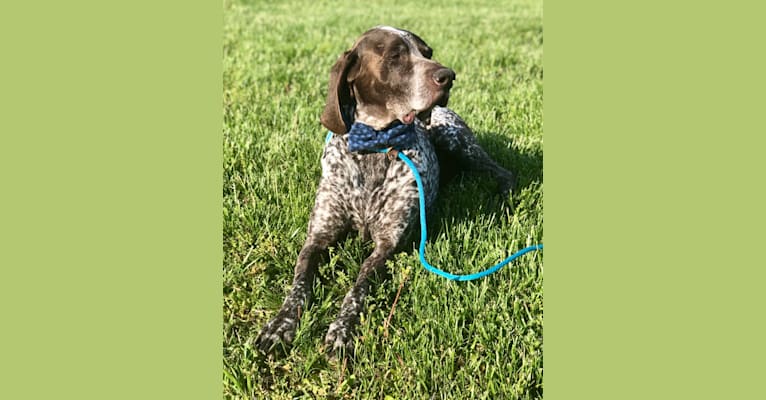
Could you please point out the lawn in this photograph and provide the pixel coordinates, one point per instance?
(473, 340)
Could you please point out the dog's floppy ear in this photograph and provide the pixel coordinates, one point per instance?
(338, 114)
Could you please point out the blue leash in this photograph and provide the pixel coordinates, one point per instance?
(422, 249)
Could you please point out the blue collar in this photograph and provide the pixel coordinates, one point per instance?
(363, 137)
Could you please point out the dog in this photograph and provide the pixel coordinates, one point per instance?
(387, 78)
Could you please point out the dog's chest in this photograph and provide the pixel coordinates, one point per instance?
(363, 179)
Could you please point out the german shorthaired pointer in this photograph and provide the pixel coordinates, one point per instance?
(387, 78)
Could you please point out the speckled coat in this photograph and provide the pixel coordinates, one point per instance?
(376, 194)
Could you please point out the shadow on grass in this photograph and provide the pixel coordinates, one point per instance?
(468, 194)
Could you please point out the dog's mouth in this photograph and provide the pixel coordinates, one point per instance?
(408, 118)
(441, 99)
(423, 116)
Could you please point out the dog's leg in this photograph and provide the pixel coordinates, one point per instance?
(451, 136)
(390, 216)
(325, 227)
(282, 327)
(340, 334)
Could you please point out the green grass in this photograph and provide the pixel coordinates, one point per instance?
(472, 340)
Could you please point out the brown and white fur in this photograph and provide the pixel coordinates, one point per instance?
(387, 75)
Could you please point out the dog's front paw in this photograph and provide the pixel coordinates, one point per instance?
(339, 340)
(280, 330)
(506, 183)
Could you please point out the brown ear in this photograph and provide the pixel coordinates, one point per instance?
(338, 114)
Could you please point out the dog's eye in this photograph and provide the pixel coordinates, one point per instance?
(396, 53)
(395, 56)
(426, 52)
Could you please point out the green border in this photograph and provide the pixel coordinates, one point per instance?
(653, 206)
(111, 174)
(110, 166)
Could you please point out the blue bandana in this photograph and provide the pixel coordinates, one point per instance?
(363, 137)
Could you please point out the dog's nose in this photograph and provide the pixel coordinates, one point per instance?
(444, 77)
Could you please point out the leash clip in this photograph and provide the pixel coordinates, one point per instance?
(392, 154)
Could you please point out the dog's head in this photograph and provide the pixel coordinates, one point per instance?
(387, 75)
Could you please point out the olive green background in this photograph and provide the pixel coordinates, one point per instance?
(653, 200)
(110, 166)
(111, 200)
